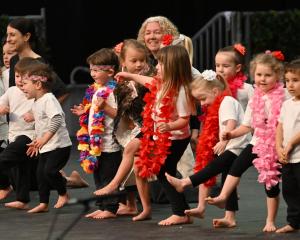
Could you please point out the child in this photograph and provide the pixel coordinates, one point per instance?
(165, 129)
(209, 89)
(52, 140)
(261, 117)
(128, 123)
(287, 144)
(100, 153)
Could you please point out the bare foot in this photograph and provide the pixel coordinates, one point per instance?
(269, 227)
(195, 212)
(108, 189)
(76, 181)
(5, 192)
(286, 229)
(175, 182)
(144, 215)
(91, 215)
(224, 223)
(42, 207)
(61, 201)
(125, 210)
(17, 205)
(175, 220)
(104, 215)
(217, 201)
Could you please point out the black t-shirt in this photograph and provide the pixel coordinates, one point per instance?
(59, 87)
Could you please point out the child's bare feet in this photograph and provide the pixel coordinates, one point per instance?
(197, 212)
(17, 205)
(175, 220)
(224, 223)
(108, 189)
(91, 215)
(269, 227)
(144, 215)
(286, 229)
(125, 210)
(5, 192)
(104, 215)
(217, 201)
(42, 207)
(61, 201)
(178, 184)
(76, 181)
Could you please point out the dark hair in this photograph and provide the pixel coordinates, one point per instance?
(23, 65)
(293, 66)
(238, 57)
(104, 56)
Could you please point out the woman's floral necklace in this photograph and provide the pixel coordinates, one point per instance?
(265, 126)
(209, 136)
(154, 144)
(236, 83)
(90, 141)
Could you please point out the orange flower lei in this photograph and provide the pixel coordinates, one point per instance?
(154, 144)
(209, 136)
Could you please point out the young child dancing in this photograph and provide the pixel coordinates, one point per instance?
(211, 90)
(261, 117)
(128, 123)
(100, 153)
(288, 149)
(52, 141)
(165, 128)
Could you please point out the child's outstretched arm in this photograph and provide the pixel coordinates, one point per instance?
(78, 109)
(135, 77)
(239, 131)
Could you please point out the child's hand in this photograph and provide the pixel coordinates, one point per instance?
(28, 117)
(282, 156)
(219, 147)
(121, 76)
(32, 151)
(100, 102)
(4, 110)
(225, 136)
(78, 109)
(163, 127)
(287, 150)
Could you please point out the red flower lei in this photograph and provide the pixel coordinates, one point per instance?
(154, 144)
(209, 137)
(236, 83)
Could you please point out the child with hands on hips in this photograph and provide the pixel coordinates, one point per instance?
(261, 117)
(52, 141)
(166, 131)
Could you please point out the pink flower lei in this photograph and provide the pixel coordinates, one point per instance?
(265, 130)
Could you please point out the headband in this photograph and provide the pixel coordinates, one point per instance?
(36, 78)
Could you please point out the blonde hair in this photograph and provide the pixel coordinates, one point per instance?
(267, 59)
(167, 27)
(185, 41)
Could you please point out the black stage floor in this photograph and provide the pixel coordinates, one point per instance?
(17, 224)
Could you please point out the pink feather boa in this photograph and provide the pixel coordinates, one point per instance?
(265, 129)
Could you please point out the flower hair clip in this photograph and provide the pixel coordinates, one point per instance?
(209, 75)
(167, 39)
(118, 47)
(276, 54)
(240, 48)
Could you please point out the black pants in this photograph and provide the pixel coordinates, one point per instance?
(221, 164)
(49, 177)
(243, 162)
(177, 200)
(291, 192)
(108, 164)
(15, 164)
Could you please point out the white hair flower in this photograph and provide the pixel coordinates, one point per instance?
(209, 75)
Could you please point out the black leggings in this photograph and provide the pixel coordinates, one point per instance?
(220, 164)
(243, 162)
(177, 200)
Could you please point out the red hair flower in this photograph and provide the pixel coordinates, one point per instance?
(278, 54)
(167, 39)
(240, 48)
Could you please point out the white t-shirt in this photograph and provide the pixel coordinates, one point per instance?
(108, 143)
(3, 122)
(18, 105)
(182, 109)
(290, 119)
(248, 114)
(44, 109)
(244, 94)
(231, 109)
